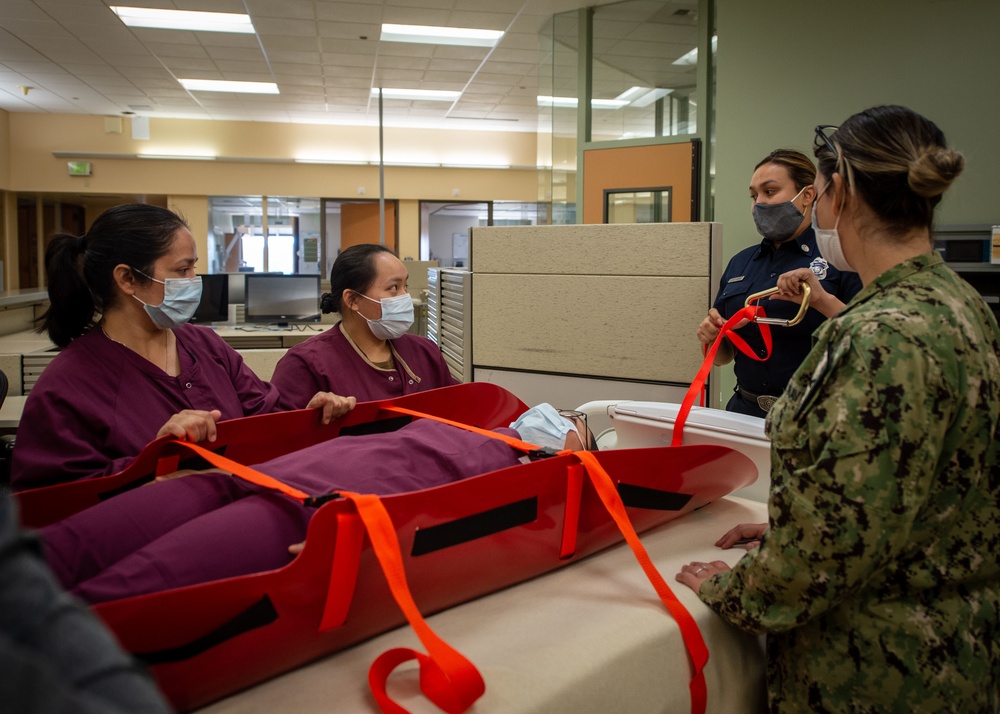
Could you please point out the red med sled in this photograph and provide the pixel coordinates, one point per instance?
(455, 543)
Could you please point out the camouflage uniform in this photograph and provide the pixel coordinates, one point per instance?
(877, 582)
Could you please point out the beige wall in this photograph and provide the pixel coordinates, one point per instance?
(254, 159)
(4, 150)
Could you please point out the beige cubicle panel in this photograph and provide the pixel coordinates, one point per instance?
(618, 302)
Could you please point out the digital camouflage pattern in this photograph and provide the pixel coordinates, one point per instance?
(877, 582)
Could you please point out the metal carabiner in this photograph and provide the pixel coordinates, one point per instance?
(806, 292)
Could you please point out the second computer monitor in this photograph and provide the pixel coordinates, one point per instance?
(282, 299)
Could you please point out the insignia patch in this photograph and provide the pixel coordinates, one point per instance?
(819, 266)
(735, 280)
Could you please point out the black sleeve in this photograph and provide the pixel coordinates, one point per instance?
(56, 656)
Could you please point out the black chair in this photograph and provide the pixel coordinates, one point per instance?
(6, 443)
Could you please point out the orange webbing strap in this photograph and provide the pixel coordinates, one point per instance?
(447, 678)
(697, 386)
(694, 643)
(509, 440)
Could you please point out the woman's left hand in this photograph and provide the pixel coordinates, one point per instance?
(334, 406)
(695, 573)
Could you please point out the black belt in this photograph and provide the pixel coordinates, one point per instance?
(764, 401)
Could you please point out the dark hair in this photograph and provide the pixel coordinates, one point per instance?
(80, 269)
(896, 160)
(800, 167)
(354, 269)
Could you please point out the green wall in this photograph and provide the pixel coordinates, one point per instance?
(785, 66)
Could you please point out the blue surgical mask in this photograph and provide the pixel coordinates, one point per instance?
(397, 317)
(828, 242)
(180, 301)
(778, 221)
(543, 426)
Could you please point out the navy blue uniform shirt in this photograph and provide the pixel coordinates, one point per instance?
(757, 268)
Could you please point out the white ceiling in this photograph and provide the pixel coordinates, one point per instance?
(77, 57)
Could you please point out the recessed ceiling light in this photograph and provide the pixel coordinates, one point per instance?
(184, 20)
(426, 34)
(433, 95)
(572, 102)
(690, 59)
(216, 85)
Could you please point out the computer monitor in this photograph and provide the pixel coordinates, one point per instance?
(282, 299)
(214, 305)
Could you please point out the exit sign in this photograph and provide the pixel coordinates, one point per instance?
(78, 168)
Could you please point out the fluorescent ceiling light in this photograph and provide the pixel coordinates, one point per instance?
(179, 157)
(690, 59)
(572, 102)
(184, 20)
(642, 96)
(433, 95)
(425, 34)
(214, 85)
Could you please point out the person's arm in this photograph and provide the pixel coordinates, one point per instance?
(54, 654)
(859, 463)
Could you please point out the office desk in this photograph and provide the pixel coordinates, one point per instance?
(591, 637)
(10, 412)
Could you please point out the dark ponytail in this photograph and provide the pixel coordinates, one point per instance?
(354, 269)
(80, 270)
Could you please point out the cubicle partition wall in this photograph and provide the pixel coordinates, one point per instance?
(570, 314)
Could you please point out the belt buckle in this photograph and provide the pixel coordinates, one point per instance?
(766, 401)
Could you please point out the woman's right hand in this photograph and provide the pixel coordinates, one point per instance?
(748, 534)
(193, 425)
(709, 328)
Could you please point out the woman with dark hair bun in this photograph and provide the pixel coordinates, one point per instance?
(876, 579)
(781, 198)
(130, 369)
(369, 354)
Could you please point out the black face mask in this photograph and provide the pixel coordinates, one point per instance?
(778, 221)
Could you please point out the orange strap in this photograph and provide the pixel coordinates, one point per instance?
(694, 643)
(447, 678)
(728, 331)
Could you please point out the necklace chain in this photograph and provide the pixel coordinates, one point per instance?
(166, 346)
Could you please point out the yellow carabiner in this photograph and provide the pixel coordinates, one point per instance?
(806, 291)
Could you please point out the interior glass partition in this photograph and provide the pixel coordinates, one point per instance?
(639, 63)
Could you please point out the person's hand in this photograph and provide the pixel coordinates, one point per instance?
(333, 405)
(695, 573)
(296, 548)
(187, 472)
(194, 425)
(748, 534)
(709, 328)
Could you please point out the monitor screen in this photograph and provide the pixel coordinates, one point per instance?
(282, 298)
(214, 305)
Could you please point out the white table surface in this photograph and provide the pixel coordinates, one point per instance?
(590, 637)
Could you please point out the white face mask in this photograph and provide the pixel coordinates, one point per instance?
(397, 317)
(828, 242)
(180, 301)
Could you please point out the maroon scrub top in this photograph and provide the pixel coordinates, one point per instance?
(98, 403)
(329, 362)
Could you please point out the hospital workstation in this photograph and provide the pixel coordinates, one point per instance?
(565, 218)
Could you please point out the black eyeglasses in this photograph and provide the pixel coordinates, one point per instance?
(822, 139)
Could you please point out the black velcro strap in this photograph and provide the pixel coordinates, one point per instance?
(376, 427)
(257, 615)
(478, 525)
(643, 497)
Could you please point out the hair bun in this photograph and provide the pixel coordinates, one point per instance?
(934, 170)
(327, 303)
